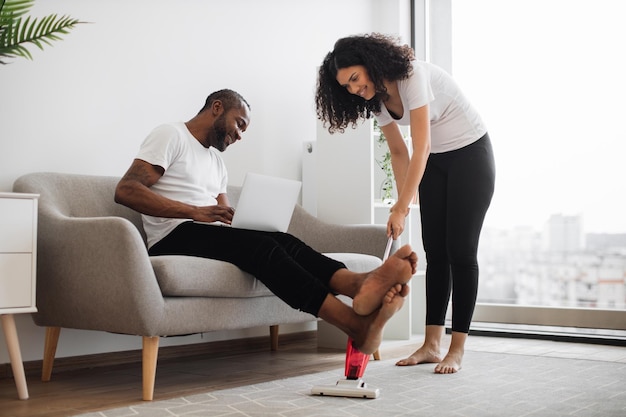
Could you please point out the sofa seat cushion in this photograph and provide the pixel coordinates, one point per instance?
(189, 276)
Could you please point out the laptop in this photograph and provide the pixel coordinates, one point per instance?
(266, 203)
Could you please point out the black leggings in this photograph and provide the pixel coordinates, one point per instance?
(454, 195)
(289, 268)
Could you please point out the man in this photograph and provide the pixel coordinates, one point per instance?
(179, 179)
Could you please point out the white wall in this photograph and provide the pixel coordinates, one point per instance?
(85, 104)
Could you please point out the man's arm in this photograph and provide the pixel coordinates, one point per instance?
(134, 191)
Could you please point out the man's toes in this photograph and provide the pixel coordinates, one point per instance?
(404, 252)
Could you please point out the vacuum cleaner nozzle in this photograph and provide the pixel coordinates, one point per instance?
(355, 388)
(353, 385)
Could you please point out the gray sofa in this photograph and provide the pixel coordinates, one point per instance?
(94, 272)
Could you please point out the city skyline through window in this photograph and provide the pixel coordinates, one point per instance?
(548, 78)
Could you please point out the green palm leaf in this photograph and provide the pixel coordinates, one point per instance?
(18, 30)
(14, 8)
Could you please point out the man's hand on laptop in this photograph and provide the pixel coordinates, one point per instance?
(212, 214)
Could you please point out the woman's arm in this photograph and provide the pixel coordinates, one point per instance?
(408, 174)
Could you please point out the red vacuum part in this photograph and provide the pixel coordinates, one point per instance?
(356, 361)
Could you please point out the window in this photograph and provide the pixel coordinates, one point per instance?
(547, 76)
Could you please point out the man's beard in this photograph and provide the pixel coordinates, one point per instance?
(219, 133)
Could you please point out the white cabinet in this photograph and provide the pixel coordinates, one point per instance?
(18, 259)
(348, 182)
(344, 175)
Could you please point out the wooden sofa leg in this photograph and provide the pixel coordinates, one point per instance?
(49, 351)
(274, 337)
(377, 355)
(150, 353)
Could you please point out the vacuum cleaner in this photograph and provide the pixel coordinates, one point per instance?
(356, 361)
(353, 385)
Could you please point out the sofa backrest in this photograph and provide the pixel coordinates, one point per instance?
(75, 195)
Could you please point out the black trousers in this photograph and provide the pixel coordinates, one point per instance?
(454, 195)
(289, 268)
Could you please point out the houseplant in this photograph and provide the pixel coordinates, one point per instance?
(384, 163)
(18, 30)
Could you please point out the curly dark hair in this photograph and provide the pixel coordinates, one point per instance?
(383, 57)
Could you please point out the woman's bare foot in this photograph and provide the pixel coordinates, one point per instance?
(370, 338)
(450, 364)
(397, 269)
(422, 355)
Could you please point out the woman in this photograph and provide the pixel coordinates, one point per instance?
(451, 166)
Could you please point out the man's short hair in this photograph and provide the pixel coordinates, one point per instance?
(229, 98)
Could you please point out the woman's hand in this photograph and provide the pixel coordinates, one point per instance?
(397, 218)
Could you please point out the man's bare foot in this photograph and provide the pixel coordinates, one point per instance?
(421, 355)
(450, 364)
(369, 340)
(397, 269)
(399, 289)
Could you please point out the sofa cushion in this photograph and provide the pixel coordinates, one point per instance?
(188, 276)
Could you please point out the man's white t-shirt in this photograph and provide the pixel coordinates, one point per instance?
(454, 123)
(193, 174)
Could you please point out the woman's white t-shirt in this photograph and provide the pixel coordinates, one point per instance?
(193, 174)
(454, 123)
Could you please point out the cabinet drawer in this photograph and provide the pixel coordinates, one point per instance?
(15, 280)
(16, 224)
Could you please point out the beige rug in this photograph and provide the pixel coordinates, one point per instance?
(490, 384)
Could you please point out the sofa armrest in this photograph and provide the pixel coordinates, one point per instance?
(95, 273)
(369, 239)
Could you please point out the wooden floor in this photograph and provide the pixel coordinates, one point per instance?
(116, 381)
